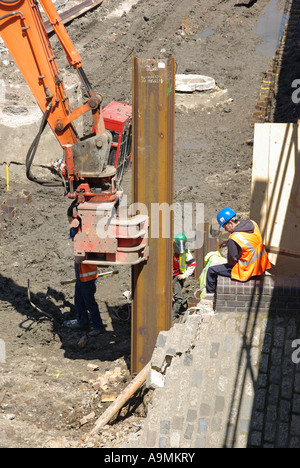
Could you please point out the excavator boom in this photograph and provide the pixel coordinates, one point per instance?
(89, 178)
(23, 31)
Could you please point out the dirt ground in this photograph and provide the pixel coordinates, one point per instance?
(47, 385)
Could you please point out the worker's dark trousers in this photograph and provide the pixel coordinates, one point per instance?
(85, 302)
(177, 296)
(212, 275)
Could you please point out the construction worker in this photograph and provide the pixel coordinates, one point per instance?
(246, 254)
(85, 302)
(183, 267)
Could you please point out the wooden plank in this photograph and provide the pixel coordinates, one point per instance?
(283, 179)
(260, 171)
(276, 193)
(291, 253)
(126, 394)
(75, 12)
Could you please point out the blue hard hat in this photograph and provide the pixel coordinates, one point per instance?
(225, 215)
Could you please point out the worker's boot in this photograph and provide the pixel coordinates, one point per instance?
(74, 325)
(175, 310)
(97, 331)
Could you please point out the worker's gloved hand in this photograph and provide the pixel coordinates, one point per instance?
(72, 233)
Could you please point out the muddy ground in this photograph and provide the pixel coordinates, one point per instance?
(47, 385)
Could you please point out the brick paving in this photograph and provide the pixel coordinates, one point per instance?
(232, 377)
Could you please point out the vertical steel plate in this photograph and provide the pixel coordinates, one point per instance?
(153, 185)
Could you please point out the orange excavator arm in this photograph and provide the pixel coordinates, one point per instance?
(23, 31)
(99, 235)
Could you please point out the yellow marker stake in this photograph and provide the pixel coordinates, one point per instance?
(7, 179)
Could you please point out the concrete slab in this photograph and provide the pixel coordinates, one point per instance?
(202, 100)
(191, 83)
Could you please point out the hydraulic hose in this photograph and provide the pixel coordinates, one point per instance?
(14, 13)
(32, 152)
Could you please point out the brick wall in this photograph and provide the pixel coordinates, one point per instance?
(267, 294)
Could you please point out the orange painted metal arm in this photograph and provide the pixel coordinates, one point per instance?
(22, 29)
(57, 24)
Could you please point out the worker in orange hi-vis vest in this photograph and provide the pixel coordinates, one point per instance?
(246, 254)
(85, 302)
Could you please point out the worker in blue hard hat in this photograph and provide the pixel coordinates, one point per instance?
(246, 255)
(225, 215)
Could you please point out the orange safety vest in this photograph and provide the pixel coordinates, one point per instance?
(254, 259)
(88, 272)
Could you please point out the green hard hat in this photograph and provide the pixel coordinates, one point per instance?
(179, 243)
(180, 237)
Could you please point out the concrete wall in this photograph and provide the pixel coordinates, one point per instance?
(20, 119)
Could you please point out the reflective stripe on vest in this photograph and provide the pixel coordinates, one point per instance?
(182, 262)
(255, 256)
(88, 272)
(253, 261)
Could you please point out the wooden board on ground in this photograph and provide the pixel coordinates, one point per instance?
(75, 12)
